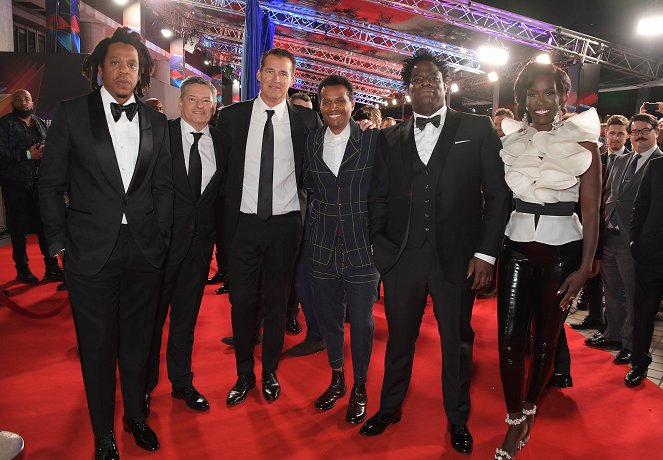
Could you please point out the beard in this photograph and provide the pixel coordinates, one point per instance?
(22, 113)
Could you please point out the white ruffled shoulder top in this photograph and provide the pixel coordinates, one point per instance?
(543, 167)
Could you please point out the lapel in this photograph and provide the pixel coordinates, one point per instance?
(446, 139)
(145, 149)
(353, 145)
(103, 147)
(241, 126)
(318, 148)
(406, 144)
(637, 177)
(177, 151)
(217, 157)
(298, 136)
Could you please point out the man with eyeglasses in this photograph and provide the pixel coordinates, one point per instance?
(618, 265)
(432, 234)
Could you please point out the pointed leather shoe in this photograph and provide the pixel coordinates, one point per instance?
(143, 435)
(560, 380)
(602, 342)
(306, 347)
(461, 439)
(335, 390)
(238, 392)
(379, 422)
(271, 389)
(623, 357)
(191, 397)
(26, 277)
(635, 376)
(357, 407)
(217, 278)
(106, 448)
(587, 323)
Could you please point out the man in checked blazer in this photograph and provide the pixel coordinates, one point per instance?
(339, 167)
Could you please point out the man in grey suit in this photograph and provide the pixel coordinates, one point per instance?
(618, 266)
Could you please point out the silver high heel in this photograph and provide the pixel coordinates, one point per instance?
(526, 412)
(501, 454)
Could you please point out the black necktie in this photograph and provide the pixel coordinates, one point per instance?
(611, 161)
(266, 181)
(129, 109)
(195, 166)
(422, 122)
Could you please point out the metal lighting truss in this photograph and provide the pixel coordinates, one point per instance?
(348, 29)
(521, 29)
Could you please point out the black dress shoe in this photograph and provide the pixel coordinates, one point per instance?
(635, 376)
(223, 289)
(238, 392)
(357, 407)
(217, 278)
(292, 326)
(26, 277)
(602, 342)
(191, 397)
(461, 439)
(379, 422)
(53, 274)
(623, 357)
(306, 347)
(147, 400)
(231, 342)
(560, 380)
(106, 448)
(587, 323)
(143, 435)
(335, 390)
(271, 389)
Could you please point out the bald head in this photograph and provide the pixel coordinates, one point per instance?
(155, 104)
(22, 103)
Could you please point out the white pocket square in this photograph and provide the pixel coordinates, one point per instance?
(462, 142)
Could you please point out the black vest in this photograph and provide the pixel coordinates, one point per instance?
(424, 183)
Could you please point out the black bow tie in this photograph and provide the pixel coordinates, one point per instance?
(129, 109)
(422, 122)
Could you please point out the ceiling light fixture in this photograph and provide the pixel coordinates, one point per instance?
(492, 77)
(650, 26)
(543, 58)
(454, 87)
(167, 33)
(489, 54)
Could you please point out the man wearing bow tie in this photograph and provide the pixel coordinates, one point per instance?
(111, 153)
(432, 236)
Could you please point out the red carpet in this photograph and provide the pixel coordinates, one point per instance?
(42, 398)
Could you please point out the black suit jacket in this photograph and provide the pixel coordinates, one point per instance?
(470, 163)
(80, 160)
(233, 124)
(647, 221)
(192, 217)
(341, 202)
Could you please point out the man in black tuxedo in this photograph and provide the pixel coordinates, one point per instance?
(196, 180)
(264, 140)
(432, 235)
(111, 153)
(646, 232)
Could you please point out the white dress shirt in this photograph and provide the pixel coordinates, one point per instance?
(644, 157)
(334, 148)
(125, 135)
(427, 138)
(284, 199)
(206, 149)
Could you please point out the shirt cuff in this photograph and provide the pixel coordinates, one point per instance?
(485, 258)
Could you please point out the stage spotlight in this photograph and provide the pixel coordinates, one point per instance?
(492, 77)
(167, 33)
(543, 58)
(121, 2)
(206, 62)
(407, 99)
(650, 26)
(394, 102)
(454, 87)
(493, 55)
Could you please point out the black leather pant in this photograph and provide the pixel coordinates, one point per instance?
(529, 276)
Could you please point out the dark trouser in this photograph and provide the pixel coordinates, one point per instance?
(261, 251)
(618, 272)
(594, 292)
(406, 289)
(304, 289)
(648, 294)
(182, 291)
(529, 276)
(221, 253)
(22, 209)
(114, 312)
(562, 354)
(333, 287)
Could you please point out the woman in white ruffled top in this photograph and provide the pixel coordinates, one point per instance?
(548, 253)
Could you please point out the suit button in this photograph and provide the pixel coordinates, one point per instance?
(426, 215)
(426, 201)
(427, 229)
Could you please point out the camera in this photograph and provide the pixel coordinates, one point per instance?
(651, 107)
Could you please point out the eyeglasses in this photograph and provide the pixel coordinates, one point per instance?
(430, 78)
(643, 131)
